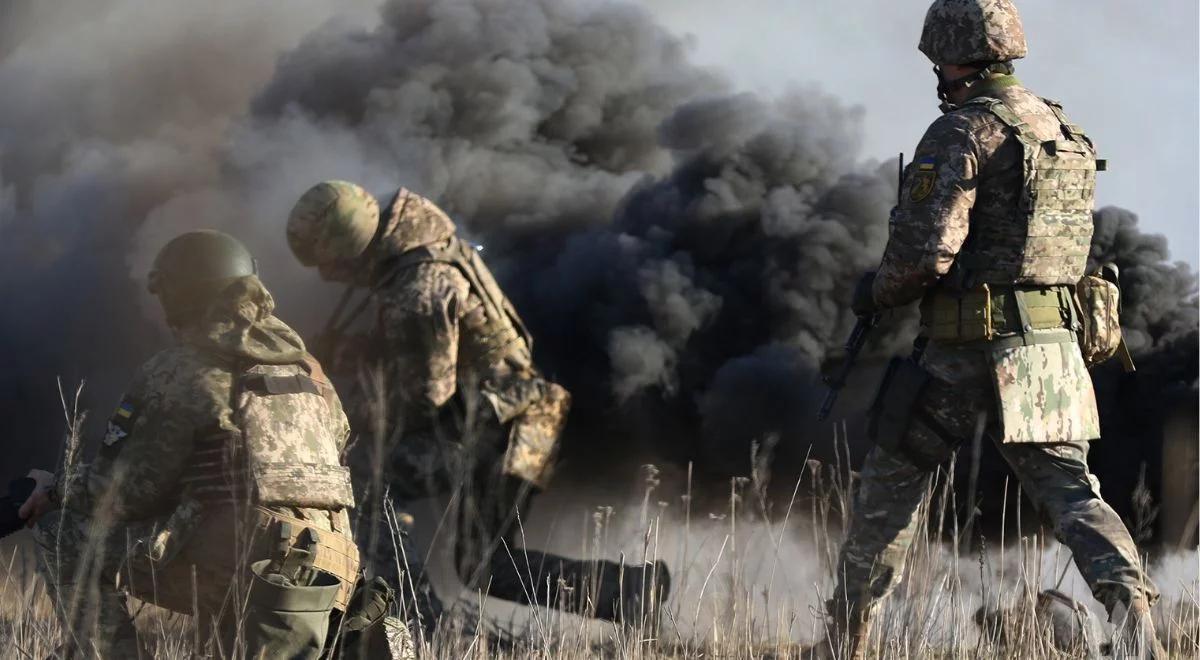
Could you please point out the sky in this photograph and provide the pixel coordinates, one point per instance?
(1125, 71)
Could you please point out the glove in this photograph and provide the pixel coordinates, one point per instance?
(864, 301)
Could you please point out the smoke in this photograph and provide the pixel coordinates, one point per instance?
(684, 252)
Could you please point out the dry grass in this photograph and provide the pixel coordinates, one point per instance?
(749, 576)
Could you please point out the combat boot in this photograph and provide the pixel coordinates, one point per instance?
(1134, 636)
(847, 631)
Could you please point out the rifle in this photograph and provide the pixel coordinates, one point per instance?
(19, 490)
(854, 345)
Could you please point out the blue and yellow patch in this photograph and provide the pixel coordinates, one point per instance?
(121, 422)
(925, 164)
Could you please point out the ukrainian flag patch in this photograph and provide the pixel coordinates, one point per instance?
(121, 422)
(926, 164)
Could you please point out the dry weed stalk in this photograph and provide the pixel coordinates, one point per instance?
(726, 603)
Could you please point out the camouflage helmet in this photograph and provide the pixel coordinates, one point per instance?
(332, 222)
(193, 268)
(972, 31)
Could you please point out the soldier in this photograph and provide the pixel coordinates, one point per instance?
(217, 489)
(991, 234)
(469, 412)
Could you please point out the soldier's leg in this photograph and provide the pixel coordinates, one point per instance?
(1057, 479)
(893, 481)
(414, 469)
(882, 526)
(491, 554)
(78, 560)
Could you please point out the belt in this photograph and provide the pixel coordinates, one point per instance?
(999, 312)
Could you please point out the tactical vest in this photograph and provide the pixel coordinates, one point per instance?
(1045, 240)
(283, 452)
(501, 333)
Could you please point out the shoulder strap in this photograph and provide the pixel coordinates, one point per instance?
(1003, 113)
(1069, 129)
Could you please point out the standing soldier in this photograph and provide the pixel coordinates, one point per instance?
(469, 412)
(217, 490)
(991, 234)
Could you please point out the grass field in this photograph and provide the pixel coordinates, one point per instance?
(748, 583)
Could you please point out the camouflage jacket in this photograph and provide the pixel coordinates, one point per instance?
(973, 168)
(179, 397)
(428, 312)
(968, 164)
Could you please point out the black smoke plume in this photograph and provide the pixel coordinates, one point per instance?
(684, 252)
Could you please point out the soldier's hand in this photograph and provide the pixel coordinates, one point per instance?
(864, 300)
(39, 501)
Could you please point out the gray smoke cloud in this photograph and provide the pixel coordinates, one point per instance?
(684, 252)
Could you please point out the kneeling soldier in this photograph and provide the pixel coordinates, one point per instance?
(217, 490)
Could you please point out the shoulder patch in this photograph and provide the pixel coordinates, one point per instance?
(924, 178)
(121, 422)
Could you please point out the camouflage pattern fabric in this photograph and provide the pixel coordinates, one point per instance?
(969, 31)
(332, 221)
(1100, 301)
(533, 443)
(140, 504)
(470, 416)
(1045, 394)
(410, 222)
(427, 314)
(1054, 476)
(92, 567)
(488, 550)
(971, 169)
(969, 164)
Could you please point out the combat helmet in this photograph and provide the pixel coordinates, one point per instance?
(967, 32)
(193, 268)
(333, 222)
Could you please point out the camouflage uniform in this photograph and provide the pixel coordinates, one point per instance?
(968, 232)
(216, 444)
(470, 414)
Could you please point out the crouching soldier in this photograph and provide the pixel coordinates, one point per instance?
(455, 400)
(217, 489)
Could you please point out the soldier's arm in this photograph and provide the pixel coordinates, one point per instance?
(928, 226)
(143, 454)
(421, 321)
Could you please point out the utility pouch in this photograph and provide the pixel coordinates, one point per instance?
(285, 620)
(369, 604)
(1099, 299)
(892, 411)
(957, 318)
(534, 437)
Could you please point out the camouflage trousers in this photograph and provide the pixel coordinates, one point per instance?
(1054, 476)
(92, 569)
(487, 507)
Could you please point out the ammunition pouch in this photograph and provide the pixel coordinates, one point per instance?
(990, 312)
(534, 436)
(1100, 299)
(336, 554)
(897, 407)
